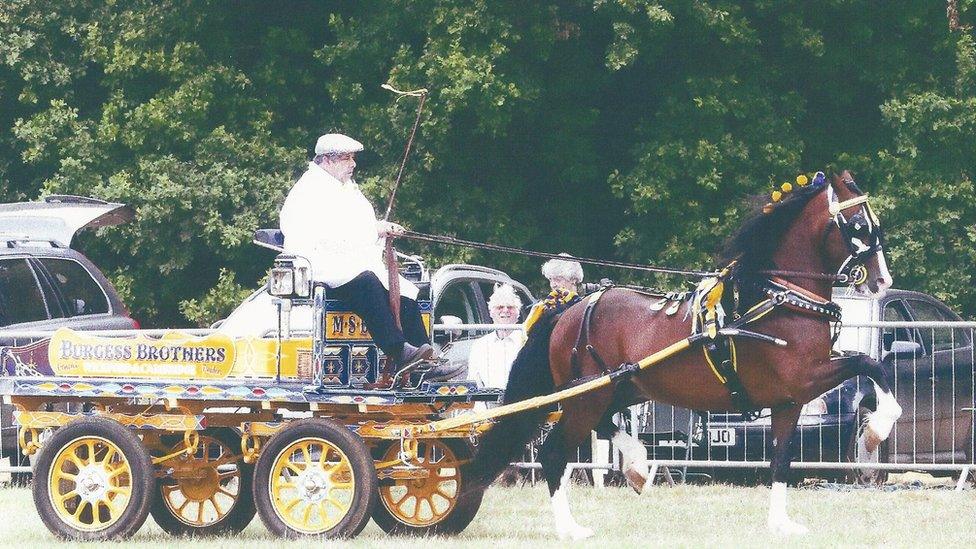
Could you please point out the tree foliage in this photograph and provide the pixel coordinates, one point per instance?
(633, 129)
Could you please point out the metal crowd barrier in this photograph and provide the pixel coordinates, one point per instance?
(934, 386)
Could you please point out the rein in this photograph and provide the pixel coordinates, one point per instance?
(453, 241)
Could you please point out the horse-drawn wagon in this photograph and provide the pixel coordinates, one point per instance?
(202, 432)
(165, 423)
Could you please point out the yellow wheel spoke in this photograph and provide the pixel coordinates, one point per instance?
(291, 505)
(200, 512)
(109, 454)
(306, 514)
(76, 460)
(307, 455)
(81, 506)
(67, 495)
(124, 490)
(61, 475)
(293, 467)
(323, 512)
(226, 493)
(213, 501)
(122, 468)
(335, 503)
(182, 506)
(112, 511)
(90, 458)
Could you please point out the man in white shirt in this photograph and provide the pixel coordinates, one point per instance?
(327, 220)
(492, 355)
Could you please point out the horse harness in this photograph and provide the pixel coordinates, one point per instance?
(709, 326)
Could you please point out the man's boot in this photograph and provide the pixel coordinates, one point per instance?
(408, 355)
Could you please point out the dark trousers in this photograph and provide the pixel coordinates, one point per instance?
(366, 296)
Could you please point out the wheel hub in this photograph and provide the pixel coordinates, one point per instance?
(313, 484)
(92, 483)
(202, 485)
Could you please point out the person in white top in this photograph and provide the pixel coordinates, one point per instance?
(327, 220)
(492, 355)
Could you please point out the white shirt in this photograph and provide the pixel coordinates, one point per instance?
(333, 225)
(491, 358)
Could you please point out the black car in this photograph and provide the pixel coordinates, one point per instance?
(933, 384)
(45, 285)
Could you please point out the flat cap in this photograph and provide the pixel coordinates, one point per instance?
(336, 143)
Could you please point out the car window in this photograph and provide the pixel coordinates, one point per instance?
(20, 295)
(894, 311)
(938, 339)
(458, 299)
(80, 291)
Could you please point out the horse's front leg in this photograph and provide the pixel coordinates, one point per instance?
(784, 425)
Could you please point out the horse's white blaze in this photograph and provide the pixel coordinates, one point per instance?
(779, 521)
(634, 459)
(566, 525)
(884, 417)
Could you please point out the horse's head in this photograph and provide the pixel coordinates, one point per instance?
(854, 240)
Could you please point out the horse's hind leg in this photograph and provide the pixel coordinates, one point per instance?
(634, 462)
(783, 425)
(554, 457)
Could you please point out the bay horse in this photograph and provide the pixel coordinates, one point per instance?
(821, 228)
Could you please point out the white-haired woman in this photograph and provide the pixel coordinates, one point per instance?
(565, 276)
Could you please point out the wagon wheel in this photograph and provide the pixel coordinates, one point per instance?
(315, 478)
(208, 493)
(436, 504)
(93, 481)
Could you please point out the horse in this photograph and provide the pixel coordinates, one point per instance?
(805, 236)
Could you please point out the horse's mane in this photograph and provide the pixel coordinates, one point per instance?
(759, 237)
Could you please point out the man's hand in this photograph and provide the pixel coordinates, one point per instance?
(387, 228)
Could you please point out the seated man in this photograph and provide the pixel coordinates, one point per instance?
(327, 220)
(492, 355)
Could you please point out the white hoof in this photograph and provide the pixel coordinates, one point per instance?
(783, 526)
(575, 533)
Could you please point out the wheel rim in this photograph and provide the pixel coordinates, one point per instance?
(424, 501)
(197, 493)
(90, 483)
(312, 485)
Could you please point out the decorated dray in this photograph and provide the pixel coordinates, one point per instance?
(202, 432)
(189, 428)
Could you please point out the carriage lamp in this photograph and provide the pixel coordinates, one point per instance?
(291, 276)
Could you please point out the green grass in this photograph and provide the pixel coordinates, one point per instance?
(681, 516)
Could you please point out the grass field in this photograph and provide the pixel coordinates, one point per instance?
(681, 516)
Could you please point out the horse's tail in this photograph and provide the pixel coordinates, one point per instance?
(529, 377)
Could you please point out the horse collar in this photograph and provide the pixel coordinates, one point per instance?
(785, 293)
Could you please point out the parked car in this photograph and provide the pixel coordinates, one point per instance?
(933, 385)
(458, 292)
(45, 284)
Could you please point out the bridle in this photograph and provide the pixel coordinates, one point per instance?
(861, 233)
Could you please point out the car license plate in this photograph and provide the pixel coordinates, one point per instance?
(721, 436)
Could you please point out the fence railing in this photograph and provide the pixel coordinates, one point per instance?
(934, 365)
